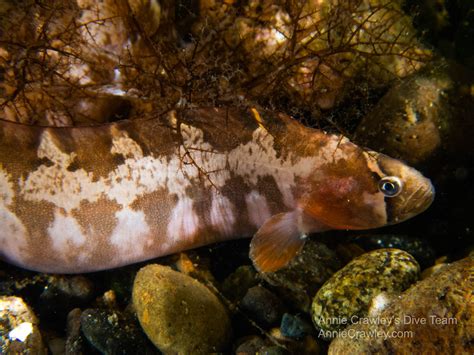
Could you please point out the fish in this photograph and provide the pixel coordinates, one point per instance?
(83, 199)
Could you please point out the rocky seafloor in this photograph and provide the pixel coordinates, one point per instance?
(397, 78)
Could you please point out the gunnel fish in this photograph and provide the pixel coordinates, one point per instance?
(82, 199)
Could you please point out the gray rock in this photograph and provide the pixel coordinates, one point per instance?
(263, 306)
(74, 340)
(249, 345)
(294, 327)
(236, 285)
(112, 333)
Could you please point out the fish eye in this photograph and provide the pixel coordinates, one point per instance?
(390, 186)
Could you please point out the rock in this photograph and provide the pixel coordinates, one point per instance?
(57, 346)
(346, 296)
(63, 293)
(307, 345)
(74, 340)
(20, 282)
(294, 327)
(422, 119)
(111, 333)
(108, 300)
(447, 26)
(192, 264)
(410, 121)
(303, 276)
(276, 343)
(262, 305)
(346, 252)
(433, 269)
(273, 350)
(235, 286)
(434, 316)
(419, 248)
(249, 345)
(19, 333)
(179, 314)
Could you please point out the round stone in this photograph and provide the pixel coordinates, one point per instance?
(178, 313)
(347, 295)
(19, 333)
(434, 316)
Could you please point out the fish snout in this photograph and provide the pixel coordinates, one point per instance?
(415, 192)
(417, 195)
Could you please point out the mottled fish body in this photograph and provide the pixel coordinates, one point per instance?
(90, 198)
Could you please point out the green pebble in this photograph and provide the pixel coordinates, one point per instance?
(346, 296)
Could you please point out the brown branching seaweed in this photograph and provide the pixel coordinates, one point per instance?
(84, 62)
(310, 51)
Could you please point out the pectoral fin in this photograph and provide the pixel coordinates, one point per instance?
(277, 241)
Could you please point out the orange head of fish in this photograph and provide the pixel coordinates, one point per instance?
(367, 190)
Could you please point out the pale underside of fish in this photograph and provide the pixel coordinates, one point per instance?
(90, 198)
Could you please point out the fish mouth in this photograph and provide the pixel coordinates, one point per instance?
(411, 203)
(417, 195)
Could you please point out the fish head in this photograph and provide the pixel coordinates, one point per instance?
(360, 190)
(368, 190)
(407, 192)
